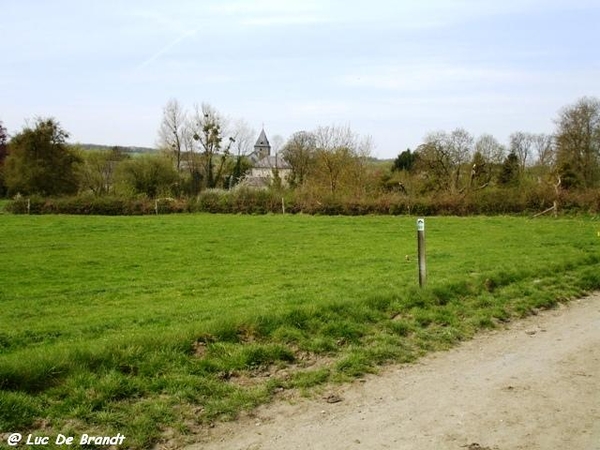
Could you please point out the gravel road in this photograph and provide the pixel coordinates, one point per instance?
(534, 385)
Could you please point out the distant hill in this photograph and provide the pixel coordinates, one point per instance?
(132, 150)
(124, 149)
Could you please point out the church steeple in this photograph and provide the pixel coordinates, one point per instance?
(262, 148)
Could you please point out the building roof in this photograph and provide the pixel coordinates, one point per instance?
(272, 162)
(262, 140)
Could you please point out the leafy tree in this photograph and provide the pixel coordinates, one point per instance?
(435, 161)
(97, 170)
(578, 142)
(152, 175)
(481, 173)
(240, 166)
(3, 154)
(299, 152)
(509, 174)
(569, 177)
(208, 134)
(40, 161)
(405, 161)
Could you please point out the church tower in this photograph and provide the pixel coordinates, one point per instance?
(262, 148)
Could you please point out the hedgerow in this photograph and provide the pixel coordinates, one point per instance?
(493, 201)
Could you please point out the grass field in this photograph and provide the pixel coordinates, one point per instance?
(153, 326)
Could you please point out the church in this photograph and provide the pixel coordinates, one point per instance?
(265, 165)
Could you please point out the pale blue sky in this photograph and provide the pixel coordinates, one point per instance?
(394, 70)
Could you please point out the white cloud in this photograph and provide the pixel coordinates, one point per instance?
(413, 77)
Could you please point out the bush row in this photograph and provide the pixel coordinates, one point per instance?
(484, 202)
(106, 206)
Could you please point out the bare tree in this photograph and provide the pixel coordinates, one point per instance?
(460, 144)
(332, 161)
(543, 147)
(338, 151)
(191, 158)
(488, 157)
(328, 137)
(443, 157)
(277, 142)
(521, 144)
(490, 149)
(243, 135)
(243, 146)
(172, 129)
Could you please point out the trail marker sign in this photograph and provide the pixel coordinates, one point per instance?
(421, 251)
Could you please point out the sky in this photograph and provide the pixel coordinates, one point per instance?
(393, 70)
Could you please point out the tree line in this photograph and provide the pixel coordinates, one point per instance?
(203, 151)
(456, 162)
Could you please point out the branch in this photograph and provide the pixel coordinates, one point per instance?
(544, 212)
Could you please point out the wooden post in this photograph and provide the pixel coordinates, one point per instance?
(156, 206)
(421, 251)
(283, 205)
(28, 206)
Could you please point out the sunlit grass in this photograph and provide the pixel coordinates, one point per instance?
(142, 324)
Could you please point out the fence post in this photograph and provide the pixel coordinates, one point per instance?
(421, 251)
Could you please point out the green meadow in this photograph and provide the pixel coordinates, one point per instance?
(156, 326)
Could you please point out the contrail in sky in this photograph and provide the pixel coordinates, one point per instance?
(166, 48)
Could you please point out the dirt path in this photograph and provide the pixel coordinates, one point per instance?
(533, 386)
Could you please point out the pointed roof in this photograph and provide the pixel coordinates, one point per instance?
(262, 140)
